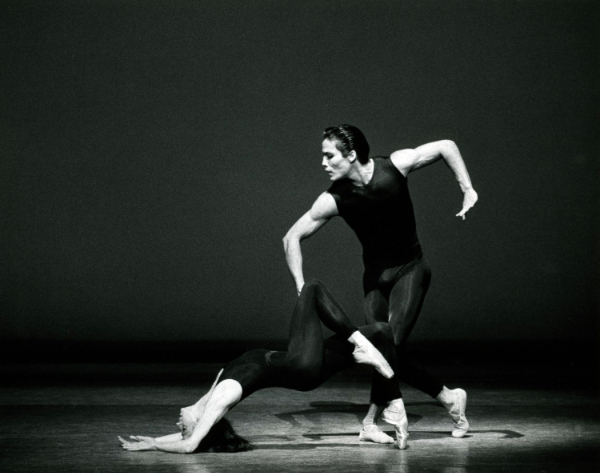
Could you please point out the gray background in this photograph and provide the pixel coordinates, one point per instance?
(153, 155)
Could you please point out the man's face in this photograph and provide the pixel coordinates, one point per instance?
(336, 165)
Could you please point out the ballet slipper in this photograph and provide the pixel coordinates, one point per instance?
(372, 433)
(366, 353)
(455, 401)
(395, 414)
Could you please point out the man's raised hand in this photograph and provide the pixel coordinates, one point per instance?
(468, 202)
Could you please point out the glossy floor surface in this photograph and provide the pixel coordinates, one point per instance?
(67, 418)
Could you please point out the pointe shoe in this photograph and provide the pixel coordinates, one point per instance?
(398, 419)
(372, 433)
(365, 352)
(456, 409)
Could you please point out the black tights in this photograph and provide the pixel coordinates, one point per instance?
(310, 360)
(396, 295)
(305, 343)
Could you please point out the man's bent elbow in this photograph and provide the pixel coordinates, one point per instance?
(449, 145)
(289, 239)
(286, 242)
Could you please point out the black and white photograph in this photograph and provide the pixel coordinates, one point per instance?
(277, 236)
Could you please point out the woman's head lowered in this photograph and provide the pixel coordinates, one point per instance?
(220, 438)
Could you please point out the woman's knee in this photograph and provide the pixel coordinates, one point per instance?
(382, 331)
(313, 285)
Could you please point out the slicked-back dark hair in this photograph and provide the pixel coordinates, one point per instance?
(349, 138)
(221, 438)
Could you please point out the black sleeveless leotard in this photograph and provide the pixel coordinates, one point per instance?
(396, 276)
(381, 214)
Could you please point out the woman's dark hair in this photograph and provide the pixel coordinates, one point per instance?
(222, 438)
(348, 138)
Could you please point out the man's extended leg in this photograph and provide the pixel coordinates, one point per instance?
(388, 390)
(406, 297)
(398, 298)
(376, 310)
(396, 295)
(405, 303)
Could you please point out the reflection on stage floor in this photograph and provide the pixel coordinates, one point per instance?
(68, 417)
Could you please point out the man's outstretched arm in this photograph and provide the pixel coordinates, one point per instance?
(408, 160)
(322, 210)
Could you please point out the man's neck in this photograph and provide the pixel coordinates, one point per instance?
(361, 174)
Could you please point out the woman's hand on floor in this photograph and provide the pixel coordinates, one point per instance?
(139, 444)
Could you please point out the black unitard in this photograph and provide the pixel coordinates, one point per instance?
(396, 276)
(309, 360)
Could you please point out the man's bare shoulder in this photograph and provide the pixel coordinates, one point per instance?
(407, 160)
(324, 207)
(404, 159)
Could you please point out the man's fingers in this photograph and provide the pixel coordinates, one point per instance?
(468, 203)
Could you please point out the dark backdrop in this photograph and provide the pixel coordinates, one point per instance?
(154, 154)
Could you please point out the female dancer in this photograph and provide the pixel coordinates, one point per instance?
(308, 362)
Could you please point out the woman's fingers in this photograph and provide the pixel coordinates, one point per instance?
(139, 443)
(139, 446)
(127, 443)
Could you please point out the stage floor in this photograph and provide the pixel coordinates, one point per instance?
(63, 418)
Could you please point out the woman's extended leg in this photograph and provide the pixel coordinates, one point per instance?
(316, 305)
(305, 342)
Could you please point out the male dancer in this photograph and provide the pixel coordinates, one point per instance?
(371, 195)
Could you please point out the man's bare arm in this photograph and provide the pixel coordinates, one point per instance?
(408, 160)
(322, 210)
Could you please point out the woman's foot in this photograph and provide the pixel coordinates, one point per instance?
(395, 414)
(372, 433)
(455, 402)
(365, 352)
